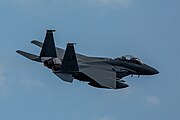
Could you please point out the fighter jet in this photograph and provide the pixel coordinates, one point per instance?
(96, 71)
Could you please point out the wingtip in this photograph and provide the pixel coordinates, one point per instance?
(37, 43)
(18, 51)
(34, 41)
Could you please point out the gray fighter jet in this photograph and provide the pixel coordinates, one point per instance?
(97, 71)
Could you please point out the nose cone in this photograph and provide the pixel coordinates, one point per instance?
(148, 70)
(153, 71)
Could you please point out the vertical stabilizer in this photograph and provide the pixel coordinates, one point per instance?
(69, 63)
(48, 48)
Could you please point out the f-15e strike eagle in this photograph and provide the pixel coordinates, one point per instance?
(97, 71)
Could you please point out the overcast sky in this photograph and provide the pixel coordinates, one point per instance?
(148, 29)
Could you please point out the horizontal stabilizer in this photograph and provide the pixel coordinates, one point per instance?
(29, 56)
(64, 76)
(35, 42)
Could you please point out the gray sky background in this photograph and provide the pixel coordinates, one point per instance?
(149, 29)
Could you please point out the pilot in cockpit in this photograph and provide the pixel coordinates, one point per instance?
(136, 61)
(130, 59)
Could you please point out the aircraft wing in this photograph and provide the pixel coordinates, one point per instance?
(104, 76)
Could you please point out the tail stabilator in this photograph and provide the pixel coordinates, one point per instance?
(37, 43)
(29, 56)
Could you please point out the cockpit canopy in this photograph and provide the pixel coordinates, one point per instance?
(130, 58)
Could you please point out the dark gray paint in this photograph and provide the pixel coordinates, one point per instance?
(98, 72)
